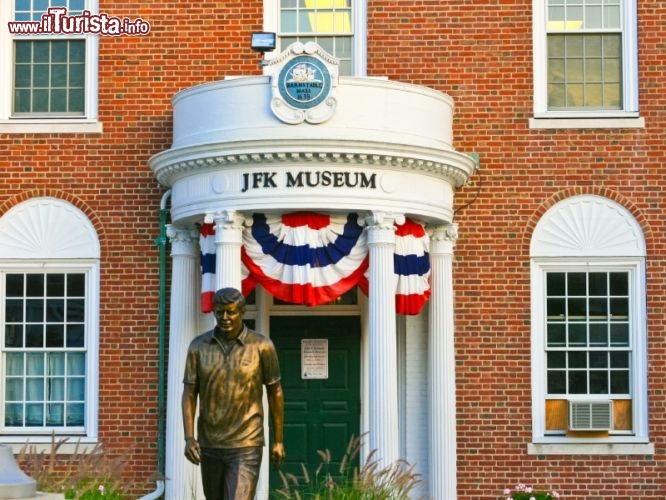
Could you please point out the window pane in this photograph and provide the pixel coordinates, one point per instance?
(14, 310)
(75, 285)
(75, 336)
(34, 310)
(619, 283)
(14, 388)
(598, 359)
(55, 336)
(619, 359)
(13, 336)
(598, 309)
(34, 336)
(14, 363)
(619, 334)
(555, 308)
(55, 414)
(597, 284)
(555, 284)
(35, 285)
(14, 285)
(598, 382)
(34, 389)
(619, 382)
(556, 335)
(76, 364)
(557, 383)
(74, 414)
(599, 335)
(619, 309)
(556, 359)
(75, 389)
(578, 382)
(55, 310)
(14, 415)
(55, 285)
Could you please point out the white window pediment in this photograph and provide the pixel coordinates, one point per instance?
(47, 228)
(587, 225)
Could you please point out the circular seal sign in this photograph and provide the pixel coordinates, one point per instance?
(304, 82)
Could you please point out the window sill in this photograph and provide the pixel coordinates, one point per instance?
(43, 444)
(599, 122)
(590, 448)
(50, 127)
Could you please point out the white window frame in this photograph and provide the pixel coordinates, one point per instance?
(628, 117)
(89, 123)
(40, 250)
(360, 23)
(90, 269)
(584, 252)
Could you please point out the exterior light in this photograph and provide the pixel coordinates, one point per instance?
(263, 41)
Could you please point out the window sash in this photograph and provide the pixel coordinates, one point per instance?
(72, 107)
(49, 77)
(330, 23)
(597, 86)
(43, 336)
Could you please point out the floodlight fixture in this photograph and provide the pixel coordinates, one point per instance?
(263, 41)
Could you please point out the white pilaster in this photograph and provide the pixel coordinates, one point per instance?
(182, 478)
(228, 241)
(383, 380)
(441, 365)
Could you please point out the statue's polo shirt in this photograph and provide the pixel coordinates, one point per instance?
(230, 378)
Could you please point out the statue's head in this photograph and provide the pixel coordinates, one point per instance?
(229, 295)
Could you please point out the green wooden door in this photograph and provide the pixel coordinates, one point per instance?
(320, 414)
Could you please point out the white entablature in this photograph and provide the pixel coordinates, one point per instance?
(231, 151)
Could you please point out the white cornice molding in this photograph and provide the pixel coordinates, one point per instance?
(172, 165)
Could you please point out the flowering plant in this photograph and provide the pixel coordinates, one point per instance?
(525, 492)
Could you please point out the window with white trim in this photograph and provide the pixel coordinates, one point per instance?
(338, 26)
(44, 351)
(588, 324)
(49, 295)
(53, 77)
(585, 58)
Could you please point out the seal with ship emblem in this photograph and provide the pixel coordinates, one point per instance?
(304, 82)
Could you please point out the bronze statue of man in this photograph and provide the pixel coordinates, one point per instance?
(226, 369)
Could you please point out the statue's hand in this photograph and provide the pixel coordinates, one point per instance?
(192, 451)
(277, 455)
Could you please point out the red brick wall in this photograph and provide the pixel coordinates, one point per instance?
(480, 53)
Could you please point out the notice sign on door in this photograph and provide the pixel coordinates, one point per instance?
(314, 358)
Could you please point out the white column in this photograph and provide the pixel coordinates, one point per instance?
(182, 478)
(441, 365)
(382, 344)
(228, 241)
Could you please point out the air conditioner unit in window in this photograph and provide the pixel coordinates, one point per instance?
(590, 415)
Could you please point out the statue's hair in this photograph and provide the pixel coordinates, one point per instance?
(229, 296)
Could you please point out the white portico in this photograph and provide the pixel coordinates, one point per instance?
(378, 148)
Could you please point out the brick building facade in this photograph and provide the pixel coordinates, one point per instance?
(557, 303)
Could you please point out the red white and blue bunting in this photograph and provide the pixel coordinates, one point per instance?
(312, 259)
